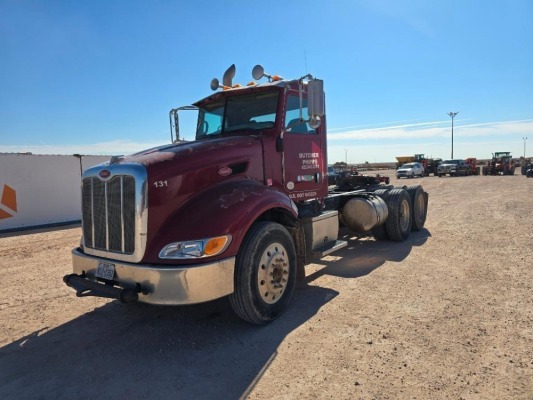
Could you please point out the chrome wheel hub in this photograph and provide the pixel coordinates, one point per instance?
(273, 273)
(405, 218)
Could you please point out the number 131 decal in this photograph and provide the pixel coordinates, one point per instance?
(160, 184)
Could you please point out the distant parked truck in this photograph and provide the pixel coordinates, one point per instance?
(404, 160)
(526, 165)
(429, 164)
(410, 170)
(472, 163)
(501, 164)
(454, 167)
(527, 168)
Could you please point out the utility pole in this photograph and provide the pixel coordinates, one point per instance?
(452, 114)
(524, 139)
(346, 157)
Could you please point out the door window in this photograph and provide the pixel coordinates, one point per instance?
(292, 116)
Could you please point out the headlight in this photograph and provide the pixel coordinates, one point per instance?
(195, 248)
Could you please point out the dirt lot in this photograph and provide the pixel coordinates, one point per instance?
(447, 314)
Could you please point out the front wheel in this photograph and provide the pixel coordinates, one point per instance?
(265, 273)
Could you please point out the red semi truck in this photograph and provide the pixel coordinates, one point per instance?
(237, 212)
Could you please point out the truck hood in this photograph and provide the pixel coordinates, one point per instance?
(188, 167)
(182, 173)
(188, 150)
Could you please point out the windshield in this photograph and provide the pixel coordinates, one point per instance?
(451, 162)
(408, 166)
(234, 113)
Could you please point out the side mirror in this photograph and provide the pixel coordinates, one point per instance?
(215, 84)
(315, 99)
(258, 72)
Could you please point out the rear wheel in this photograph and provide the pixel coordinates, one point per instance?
(380, 232)
(398, 223)
(265, 273)
(418, 207)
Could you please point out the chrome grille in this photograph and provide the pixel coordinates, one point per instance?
(108, 213)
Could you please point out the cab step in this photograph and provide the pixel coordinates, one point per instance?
(329, 248)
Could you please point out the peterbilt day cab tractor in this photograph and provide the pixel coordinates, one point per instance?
(239, 211)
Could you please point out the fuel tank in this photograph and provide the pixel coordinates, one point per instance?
(361, 214)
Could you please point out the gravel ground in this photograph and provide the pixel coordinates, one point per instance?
(447, 314)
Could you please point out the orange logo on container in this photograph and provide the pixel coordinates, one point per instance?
(8, 200)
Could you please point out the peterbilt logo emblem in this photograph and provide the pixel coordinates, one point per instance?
(225, 171)
(105, 173)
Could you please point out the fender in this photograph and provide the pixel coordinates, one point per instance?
(230, 207)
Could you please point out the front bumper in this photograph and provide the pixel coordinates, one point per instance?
(403, 174)
(447, 171)
(156, 284)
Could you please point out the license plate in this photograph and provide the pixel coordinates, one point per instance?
(105, 270)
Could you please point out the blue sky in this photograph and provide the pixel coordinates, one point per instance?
(99, 77)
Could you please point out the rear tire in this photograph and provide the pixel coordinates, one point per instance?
(399, 221)
(418, 207)
(380, 232)
(265, 273)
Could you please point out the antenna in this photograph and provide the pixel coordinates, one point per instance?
(305, 57)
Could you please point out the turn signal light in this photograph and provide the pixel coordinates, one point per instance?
(215, 245)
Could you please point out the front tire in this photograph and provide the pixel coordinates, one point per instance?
(265, 273)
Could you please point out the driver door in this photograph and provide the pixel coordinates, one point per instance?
(304, 153)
